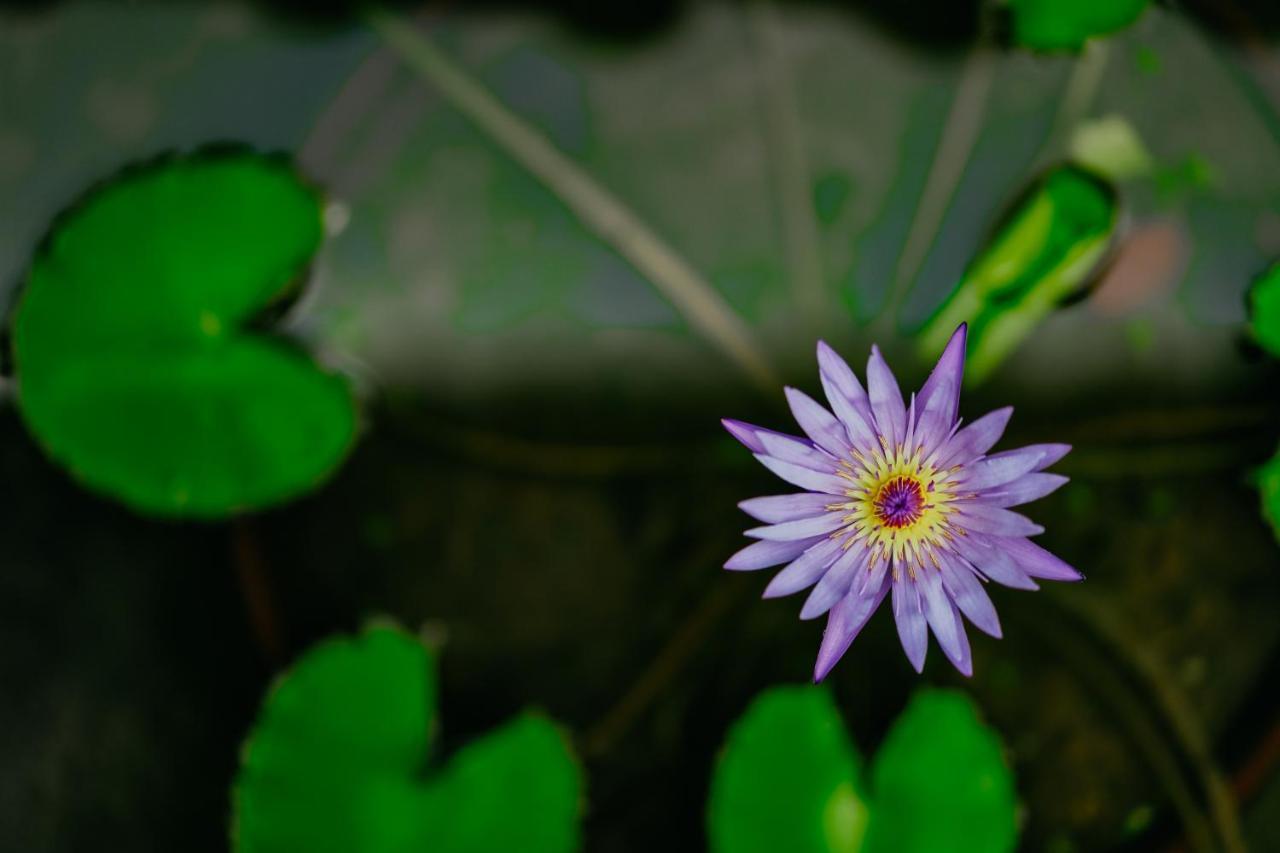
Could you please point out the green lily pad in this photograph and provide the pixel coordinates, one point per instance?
(1268, 481)
(338, 761)
(789, 779)
(139, 363)
(940, 782)
(517, 788)
(1068, 24)
(1045, 253)
(1264, 310)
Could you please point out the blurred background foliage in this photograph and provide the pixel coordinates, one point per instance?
(566, 239)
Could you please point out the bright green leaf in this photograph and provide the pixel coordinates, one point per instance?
(515, 789)
(137, 366)
(1068, 24)
(1268, 481)
(788, 779)
(1264, 310)
(1045, 253)
(940, 782)
(339, 761)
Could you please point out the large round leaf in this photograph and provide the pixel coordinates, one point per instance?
(1264, 310)
(940, 783)
(136, 366)
(1068, 24)
(517, 788)
(338, 761)
(788, 779)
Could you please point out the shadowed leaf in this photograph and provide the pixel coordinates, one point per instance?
(338, 761)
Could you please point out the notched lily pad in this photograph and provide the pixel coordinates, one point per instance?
(1052, 25)
(940, 783)
(138, 363)
(1043, 255)
(790, 779)
(339, 761)
(1264, 310)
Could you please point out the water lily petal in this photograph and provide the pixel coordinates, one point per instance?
(805, 478)
(801, 528)
(913, 629)
(993, 562)
(1000, 469)
(776, 508)
(835, 584)
(797, 451)
(976, 439)
(967, 592)
(944, 619)
(1047, 454)
(847, 619)
(1025, 489)
(745, 433)
(1037, 562)
(886, 399)
(995, 520)
(805, 570)
(848, 399)
(941, 391)
(762, 555)
(819, 424)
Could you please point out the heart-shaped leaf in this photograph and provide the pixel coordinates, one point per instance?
(517, 788)
(940, 783)
(137, 364)
(1068, 24)
(338, 761)
(1045, 253)
(789, 779)
(1264, 310)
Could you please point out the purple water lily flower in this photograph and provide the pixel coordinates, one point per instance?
(898, 498)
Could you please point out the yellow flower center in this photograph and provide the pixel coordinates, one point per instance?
(898, 506)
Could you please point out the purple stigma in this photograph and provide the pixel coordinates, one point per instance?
(900, 502)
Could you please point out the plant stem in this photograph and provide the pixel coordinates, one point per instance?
(597, 208)
(959, 135)
(799, 228)
(251, 570)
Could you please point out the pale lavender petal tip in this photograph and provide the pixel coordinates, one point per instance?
(743, 432)
(941, 391)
